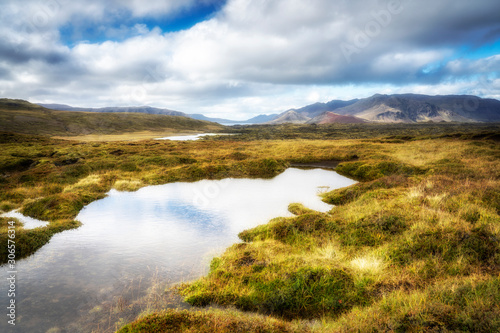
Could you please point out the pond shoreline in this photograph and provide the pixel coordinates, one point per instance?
(176, 227)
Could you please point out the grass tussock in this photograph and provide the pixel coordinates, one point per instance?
(253, 278)
(454, 305)
(210, 321)
(346, 195)
(130, 185)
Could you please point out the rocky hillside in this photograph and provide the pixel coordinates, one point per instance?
(334, 118)
(412, 108)
(290, 116)
(406, 108)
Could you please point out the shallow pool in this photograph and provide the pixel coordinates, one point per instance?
(170, 231)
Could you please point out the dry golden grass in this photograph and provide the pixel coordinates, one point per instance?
(130, 185)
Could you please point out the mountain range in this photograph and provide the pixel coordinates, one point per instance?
(402, 108)
(153, 110)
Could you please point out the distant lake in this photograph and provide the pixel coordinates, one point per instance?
(188, 137)
(170, 230)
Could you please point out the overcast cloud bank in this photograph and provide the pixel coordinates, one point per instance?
(248, 56)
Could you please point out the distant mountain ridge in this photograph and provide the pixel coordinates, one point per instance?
(290, 116)
(317, 109)
(315, 113)
(401, 108)
(397, 108)
(130, 109)
(334, 118)
(255, 120)
(153, 110)
(327, 117)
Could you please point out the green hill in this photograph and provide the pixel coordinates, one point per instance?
(20, 116)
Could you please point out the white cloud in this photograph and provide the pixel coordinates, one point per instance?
(411, 62)
(478, 66)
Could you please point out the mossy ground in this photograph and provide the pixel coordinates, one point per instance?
(414, 246)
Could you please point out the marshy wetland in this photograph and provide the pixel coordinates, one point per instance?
(413, 245)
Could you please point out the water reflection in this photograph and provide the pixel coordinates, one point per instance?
(171, 229)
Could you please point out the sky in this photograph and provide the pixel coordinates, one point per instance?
(236, 59)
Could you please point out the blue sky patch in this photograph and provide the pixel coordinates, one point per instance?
(122, 25)
(484, 51)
